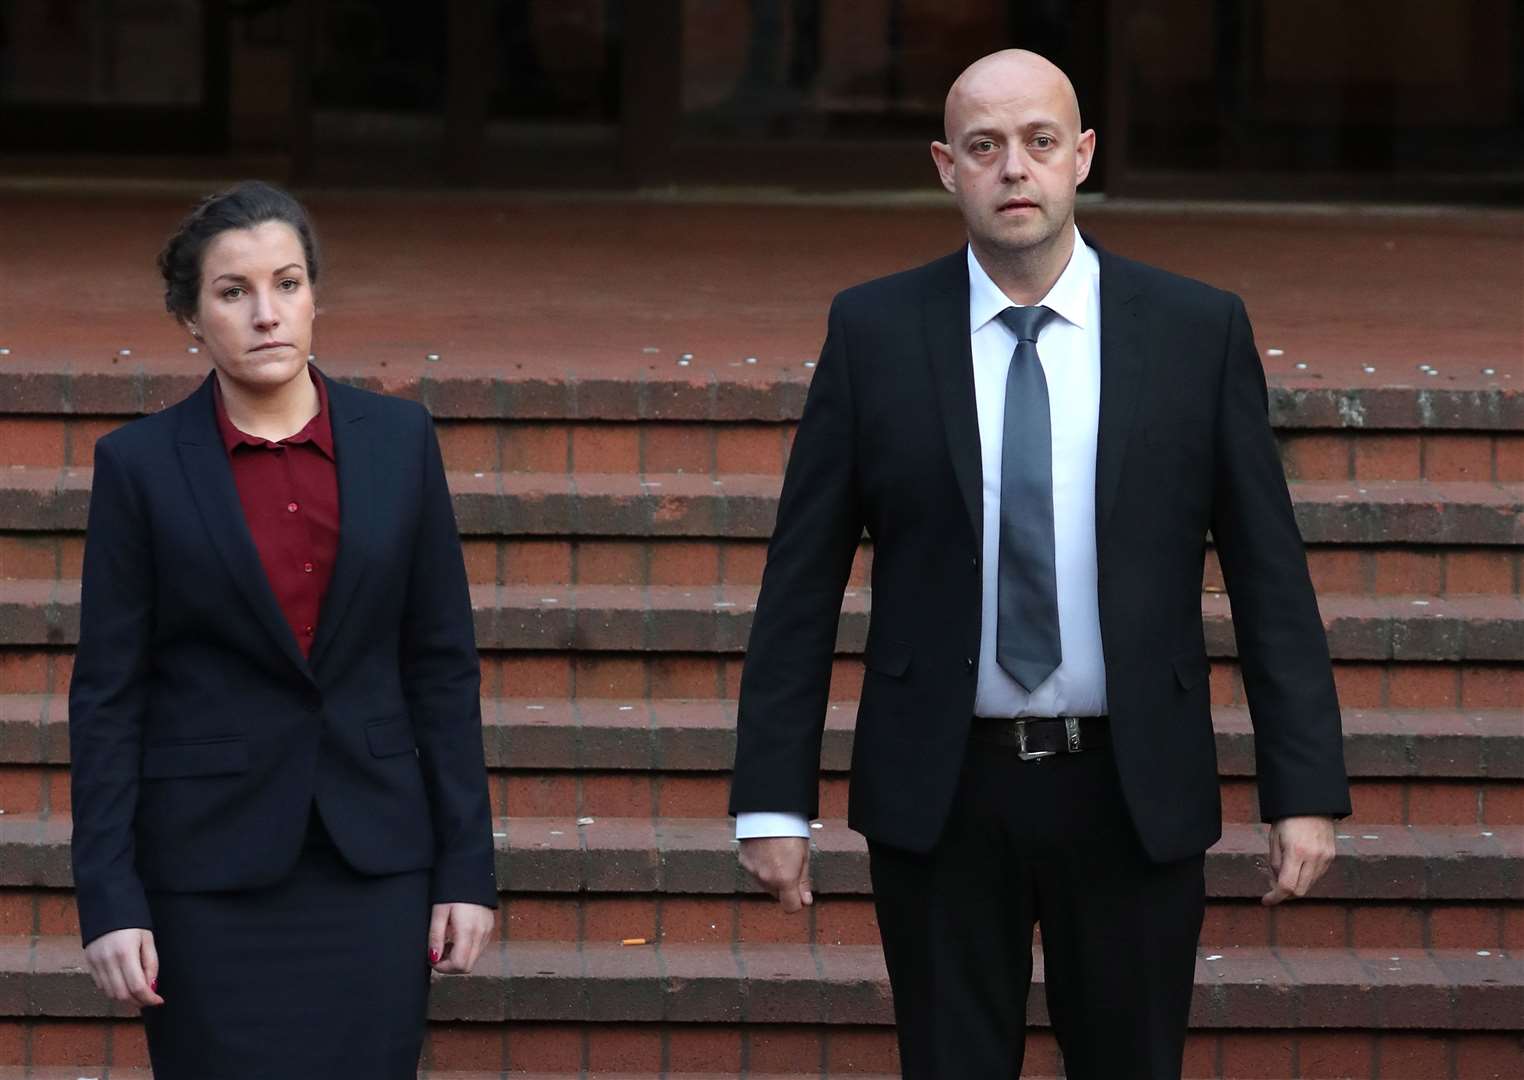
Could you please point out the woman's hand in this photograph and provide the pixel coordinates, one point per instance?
(125, 965)
(457, 933)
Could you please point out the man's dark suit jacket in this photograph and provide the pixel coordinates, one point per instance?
(200, 734)
(889, 442)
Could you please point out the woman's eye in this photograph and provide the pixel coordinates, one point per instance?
(232, 293)
(290, 284)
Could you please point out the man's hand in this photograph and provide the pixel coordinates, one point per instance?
(781, 865)
(1301, 849)
(125, 965)
(457, 933)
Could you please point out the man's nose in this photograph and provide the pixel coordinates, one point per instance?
(1015, 164)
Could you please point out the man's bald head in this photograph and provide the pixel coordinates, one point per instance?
(1013, 159)
(1004, 75)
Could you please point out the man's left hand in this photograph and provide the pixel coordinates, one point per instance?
(1301, 849)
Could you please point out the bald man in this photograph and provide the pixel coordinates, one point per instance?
(1037, 435)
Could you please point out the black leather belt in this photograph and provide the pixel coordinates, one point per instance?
(1043, 736)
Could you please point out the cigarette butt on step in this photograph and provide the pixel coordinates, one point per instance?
(634, 941)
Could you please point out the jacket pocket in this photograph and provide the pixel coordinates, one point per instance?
(200, 757)
(393, 735)
(1190, 668)
(887, 656)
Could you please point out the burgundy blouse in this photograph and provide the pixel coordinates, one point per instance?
(290, 495)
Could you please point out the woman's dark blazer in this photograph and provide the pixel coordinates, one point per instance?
(201, 736)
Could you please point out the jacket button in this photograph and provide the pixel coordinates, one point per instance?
(969, 660)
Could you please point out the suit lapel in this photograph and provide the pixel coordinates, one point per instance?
(205, 462)
(1122, 362)
(357, 499)
(952, 363)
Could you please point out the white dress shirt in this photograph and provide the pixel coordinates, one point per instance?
(1069, 348)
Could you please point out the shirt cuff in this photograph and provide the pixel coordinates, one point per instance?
(754, 825)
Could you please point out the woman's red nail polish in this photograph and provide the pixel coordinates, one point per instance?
(154, 986)
(433, 956)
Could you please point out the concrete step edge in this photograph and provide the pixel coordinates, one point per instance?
(717, 619)
(1236, 988)
(744, 506)
(698, 735)
(86, 386)
(696, 856)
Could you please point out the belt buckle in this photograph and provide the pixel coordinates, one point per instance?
(1021, 745)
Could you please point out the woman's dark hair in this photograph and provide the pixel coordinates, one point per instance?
(243, 206)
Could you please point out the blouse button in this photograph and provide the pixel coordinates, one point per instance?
(292, 507)
(307, 567)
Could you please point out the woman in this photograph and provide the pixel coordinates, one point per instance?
(281, 819)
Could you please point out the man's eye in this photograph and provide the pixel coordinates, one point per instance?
(984, 146)
(1043, 141)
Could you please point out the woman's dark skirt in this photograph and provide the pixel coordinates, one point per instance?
(320, 977)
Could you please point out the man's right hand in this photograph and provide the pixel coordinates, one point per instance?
(125, 965)
(781, 865)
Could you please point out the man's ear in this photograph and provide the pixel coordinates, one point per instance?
(1084, 153)
(942, 156)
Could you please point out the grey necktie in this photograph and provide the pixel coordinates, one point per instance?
(1026, 631)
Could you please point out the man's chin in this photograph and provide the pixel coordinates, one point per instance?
(1015, 236)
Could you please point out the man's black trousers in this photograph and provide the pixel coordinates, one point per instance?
(1048, 843)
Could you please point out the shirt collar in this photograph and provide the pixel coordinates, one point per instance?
(318, 431)
(1070, 296)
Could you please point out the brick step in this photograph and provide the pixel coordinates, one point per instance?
(744, 506)
(672, 757)
(678, 1052)
(1385, 570)
(677, 882)
(696, 856)
(677, 529)
(1475, 446)
(635, 757)
(584, 673)
(60, 384)
(840, 919)
(565, 793)
(717, 619)
(684, 735)
(1237, 988)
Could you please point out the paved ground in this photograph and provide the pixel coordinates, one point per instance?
(624, 284)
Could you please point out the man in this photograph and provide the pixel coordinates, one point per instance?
(1037, 435)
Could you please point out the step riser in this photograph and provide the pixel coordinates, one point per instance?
(718, 448)
(558, 675)
(1378, 571)
(842, 920)
(706, 619)
(805, 1050)
(799, 1051)
(31, 789)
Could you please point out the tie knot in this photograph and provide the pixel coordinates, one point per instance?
(1026, 322)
